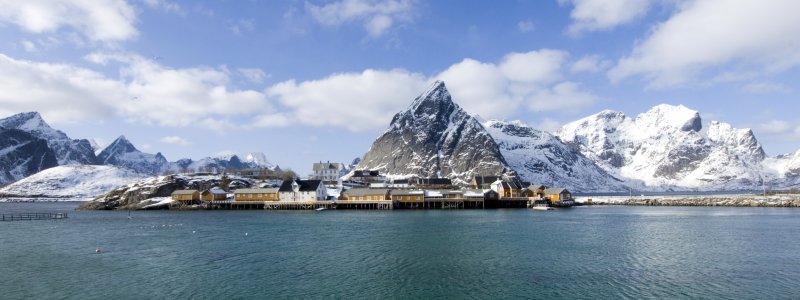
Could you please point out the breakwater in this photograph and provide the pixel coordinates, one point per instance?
(726, 201)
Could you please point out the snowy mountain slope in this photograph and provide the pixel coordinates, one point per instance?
(220, 163)
(66, 150)
(667, 148)
(143, 193)
(121, 152)
(22, 154)
(71, 181)
(542, 158)
(435, 137)
(258, 159)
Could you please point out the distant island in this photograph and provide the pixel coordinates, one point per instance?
(663, 150)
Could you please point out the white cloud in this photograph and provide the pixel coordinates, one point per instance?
(480, 88)
(775, 127)
(533, 67)
(597, 15)
(61, 93)
(717, 36)
(548, 125)
(376, 15)
(765, 88)
(181, 97)
(175, 140)
(356, 101)
(28, 46)
(526, 26)
(243, 25)
(146, 92)
(98, 21)
(565, 96)
(590, 64)
(528, 80)
(253, 75)
(164, 5)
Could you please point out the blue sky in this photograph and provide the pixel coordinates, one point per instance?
(304, 81)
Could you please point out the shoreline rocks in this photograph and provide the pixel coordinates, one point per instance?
(739, 201)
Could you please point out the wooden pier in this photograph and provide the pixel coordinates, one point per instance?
(425, 203)
(32, 216)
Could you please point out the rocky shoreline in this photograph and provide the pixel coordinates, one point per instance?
(734, 201)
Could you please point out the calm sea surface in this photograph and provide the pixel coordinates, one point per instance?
(584, 252)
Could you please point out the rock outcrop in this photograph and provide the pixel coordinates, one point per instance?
(434, 137)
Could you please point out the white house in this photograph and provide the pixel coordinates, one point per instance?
(327, 171)
(303, 191)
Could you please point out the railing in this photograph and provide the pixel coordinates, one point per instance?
(32, 216)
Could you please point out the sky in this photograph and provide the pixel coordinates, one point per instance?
(307, 81)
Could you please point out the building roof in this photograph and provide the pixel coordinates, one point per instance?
(305, 185)
(184, 192)
(474, 193)
(257, 191)
(434, 181)
(481, 180)
(536, 186)
(407, 192)
(366, 173)
(216, 191)
(363, 192)
(327, 166)
(517, 185)
(553, 191)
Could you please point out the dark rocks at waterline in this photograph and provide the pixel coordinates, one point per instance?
(137, 196)
(754, 201)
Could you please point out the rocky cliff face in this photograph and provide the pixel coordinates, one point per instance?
(66, 150)
(29, 145)
(121, 152)
(667, 148)
(542, 158)
(136, 195)
(435, 137)
(22, 154)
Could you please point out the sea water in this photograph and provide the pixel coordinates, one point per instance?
(582, 252)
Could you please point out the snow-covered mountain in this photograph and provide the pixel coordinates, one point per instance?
(67, 151)
(71, 181)
(28, 145)
(435, 137)
(221, 163)
(258, 159)
(542, 158)
(121, 152)
(22, 154)
(668, 148)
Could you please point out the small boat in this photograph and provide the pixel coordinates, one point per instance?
(542, 207)
(320, 209)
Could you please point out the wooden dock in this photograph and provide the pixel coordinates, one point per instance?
(426, 203)
(32, 216)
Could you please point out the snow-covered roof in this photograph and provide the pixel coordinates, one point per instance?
(216, 191)
(257, 191)
(184, 192)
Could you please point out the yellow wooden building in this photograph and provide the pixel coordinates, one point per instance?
(214, 194)
(557, 194)
(258, 194)
(186, 196)
(360, 194)
(408, 195)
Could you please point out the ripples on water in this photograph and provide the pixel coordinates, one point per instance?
(587, 252)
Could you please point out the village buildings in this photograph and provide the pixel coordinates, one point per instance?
(303, 191)
(404, 193)
(327, 171)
